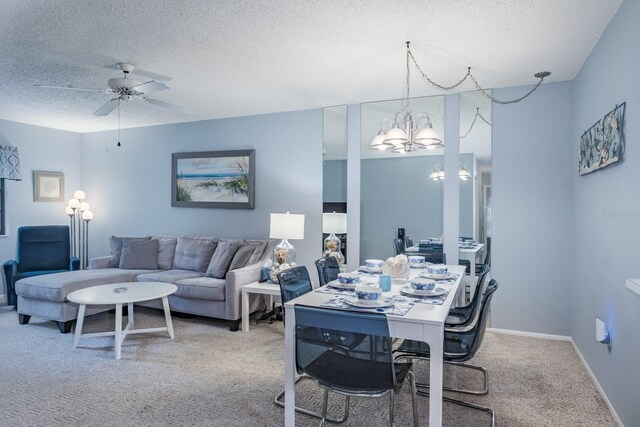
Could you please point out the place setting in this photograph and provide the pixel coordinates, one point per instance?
(438, 272)
(426, 291)
(368, 297)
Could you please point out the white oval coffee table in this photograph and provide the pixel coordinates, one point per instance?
(119, 294)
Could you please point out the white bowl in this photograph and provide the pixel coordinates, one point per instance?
(421, 284)
(439, 269)
(368, 294)
(416, 259)
(348, 278)
(374, 263)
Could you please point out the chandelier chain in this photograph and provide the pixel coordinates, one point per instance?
(474, 122)
(541, 76)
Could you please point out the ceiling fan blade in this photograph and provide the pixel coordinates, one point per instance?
(108, 107)
(169, 105)
(149, 87)
(150, 75)
(87, 89)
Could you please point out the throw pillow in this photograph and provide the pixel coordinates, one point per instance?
(241, 257)
(194, 253)
(140, 254)
(116, 248)
(260, 246)
(166, 251)
(221, 259)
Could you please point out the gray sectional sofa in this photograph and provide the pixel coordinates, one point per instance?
(209, 273)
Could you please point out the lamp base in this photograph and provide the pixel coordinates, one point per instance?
(332, 248)
(284, 257)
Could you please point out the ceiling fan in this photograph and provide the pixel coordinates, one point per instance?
(126, 89)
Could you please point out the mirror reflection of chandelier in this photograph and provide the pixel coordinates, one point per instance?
(438, 173)
(407, 134)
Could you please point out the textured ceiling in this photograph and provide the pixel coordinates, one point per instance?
(235, 58)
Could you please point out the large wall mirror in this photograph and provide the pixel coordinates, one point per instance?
(334, 175)
(475, 166)
(395, 189)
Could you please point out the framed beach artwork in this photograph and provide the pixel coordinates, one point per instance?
(603, 143)
(213, 179)
(48, 186)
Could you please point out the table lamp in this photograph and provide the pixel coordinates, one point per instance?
(286, 226)
(332, 224)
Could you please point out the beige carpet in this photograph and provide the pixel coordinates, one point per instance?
(208, 376)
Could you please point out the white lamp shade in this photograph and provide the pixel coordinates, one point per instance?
(84, 206)
(79, 195)
(74, 203)
(378, 142)
(87, 215)
(428, 136)
(287, 226)
(334, 223)
(396, 136)
(68, 210)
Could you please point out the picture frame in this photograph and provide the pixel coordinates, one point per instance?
(603, 144)
(48, 186)
(213, 179)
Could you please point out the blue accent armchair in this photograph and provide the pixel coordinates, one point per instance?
(42, 249)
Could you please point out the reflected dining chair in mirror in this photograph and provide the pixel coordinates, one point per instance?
(408, 242)
(434, 257)
(295, 282)
(328, 269)
(460, 345)
(365, 371)
(398, 245)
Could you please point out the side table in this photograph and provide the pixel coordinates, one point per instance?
(265, 288)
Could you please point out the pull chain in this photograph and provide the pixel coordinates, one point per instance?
(119, 121)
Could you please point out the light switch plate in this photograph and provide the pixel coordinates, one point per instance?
(634, 285)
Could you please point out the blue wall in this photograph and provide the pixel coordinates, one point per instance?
(40, 149)
(129, 187)
(606, 246)
(334, 177)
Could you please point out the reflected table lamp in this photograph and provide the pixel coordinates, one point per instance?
(332, 224)
(286, 226)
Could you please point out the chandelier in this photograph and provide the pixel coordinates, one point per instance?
(406, 135)
(438, 173)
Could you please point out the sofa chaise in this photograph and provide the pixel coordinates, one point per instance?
(209, 273)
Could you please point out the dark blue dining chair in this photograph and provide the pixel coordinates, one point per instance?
(460, 345)
(365, 371)
(41, 249)
(328, 269)
(294, 283)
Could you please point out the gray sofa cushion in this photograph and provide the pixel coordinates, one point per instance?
(116, 248)
(56, 287)
(241, 257)
(194, 253)
(207, 288)
(140, 254)
(221, 259)
(260, 246)
(171, 276)
(166, 251)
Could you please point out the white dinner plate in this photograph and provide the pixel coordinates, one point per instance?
(408, 290)
(370, 270)
(379, 304)
(347, 286)
(446, 276)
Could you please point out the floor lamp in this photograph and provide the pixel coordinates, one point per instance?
(79, 214)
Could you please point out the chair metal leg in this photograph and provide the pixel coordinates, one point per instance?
(414, 398)
(279, 400)
(392, 399)
(485, 376)
(468, 405)
(325, 402)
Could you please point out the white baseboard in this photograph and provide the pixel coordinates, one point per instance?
(3, 299)
(530, 334)
(616, 418)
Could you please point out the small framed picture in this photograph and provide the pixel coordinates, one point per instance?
(48, 186)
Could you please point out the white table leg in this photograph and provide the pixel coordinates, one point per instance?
(435, 342)
(167, 316)
(118, 332)
(245, 311)
(79, 323)
(289, 368)
(130, 315)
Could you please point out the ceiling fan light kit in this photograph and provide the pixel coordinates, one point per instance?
(405, 135)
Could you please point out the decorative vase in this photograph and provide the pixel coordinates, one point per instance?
(397, 267)
(332, 248)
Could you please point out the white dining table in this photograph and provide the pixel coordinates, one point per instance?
(423, 322)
